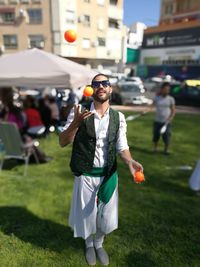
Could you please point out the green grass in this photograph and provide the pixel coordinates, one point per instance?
(159, 221)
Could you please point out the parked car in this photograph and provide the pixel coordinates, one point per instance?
(152, 84)
(137, 81)
(142, 100)
(187, 93)
(125, 92)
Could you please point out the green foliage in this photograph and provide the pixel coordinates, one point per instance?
(158, 220)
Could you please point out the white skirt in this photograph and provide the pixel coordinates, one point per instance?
(85, 217)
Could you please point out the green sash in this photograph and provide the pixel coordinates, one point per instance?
(108, 185)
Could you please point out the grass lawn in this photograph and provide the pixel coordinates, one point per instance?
(159, 221)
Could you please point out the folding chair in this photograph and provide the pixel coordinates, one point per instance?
(14, 146)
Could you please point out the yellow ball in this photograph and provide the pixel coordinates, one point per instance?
(88, 91)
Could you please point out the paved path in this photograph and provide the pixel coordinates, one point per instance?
(179, 109)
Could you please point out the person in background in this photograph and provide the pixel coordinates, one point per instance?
(45, 113)
(71, 101)
(14, 114)
(32, 114)
(165, 112)
(51, 103)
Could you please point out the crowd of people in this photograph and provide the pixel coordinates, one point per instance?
(31, 115)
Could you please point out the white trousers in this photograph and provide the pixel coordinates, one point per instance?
(85, 217)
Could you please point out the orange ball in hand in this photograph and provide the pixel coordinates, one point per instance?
(88, 91)
(70, 36)
(139, 177)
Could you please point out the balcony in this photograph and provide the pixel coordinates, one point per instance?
(115, 12)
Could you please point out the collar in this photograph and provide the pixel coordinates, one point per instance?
(93, 110)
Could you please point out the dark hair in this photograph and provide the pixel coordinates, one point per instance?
(100, 74)
(165, 84)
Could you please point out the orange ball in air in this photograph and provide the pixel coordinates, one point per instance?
(70, 36)
(88, 91)
(139, 177)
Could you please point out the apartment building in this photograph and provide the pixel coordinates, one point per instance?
(41, 23)
(173, 11)
(24, 24)
(99, 28)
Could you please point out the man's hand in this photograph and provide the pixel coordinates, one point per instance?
(134, 166)
(67, 136)
(80, 116)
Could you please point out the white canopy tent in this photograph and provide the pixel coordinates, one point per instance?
(35, 68)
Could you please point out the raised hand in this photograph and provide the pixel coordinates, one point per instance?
(80, 116)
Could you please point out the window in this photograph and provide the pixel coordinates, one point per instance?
(7, 17)
(36, 41)
(169, 9)
(36, 1)
(193, 91)
(183, 6)
(113, 2)
(130, 88)
(35, 16)
(113, 23)
(86, 43)
(100, 2)
(86, 20)
(100, 23)
(101, 41)
(25, 1)
(70, 16)
(13, 1)
(10, 41)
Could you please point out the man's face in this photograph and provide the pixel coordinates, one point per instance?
(165, 90)
(102, 89)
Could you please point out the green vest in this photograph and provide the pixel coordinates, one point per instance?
(83, 150)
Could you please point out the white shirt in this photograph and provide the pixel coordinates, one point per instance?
(101, 130)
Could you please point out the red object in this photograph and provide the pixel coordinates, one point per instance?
(70, 36)
(139, 177)
(88, 91)
(33, 117)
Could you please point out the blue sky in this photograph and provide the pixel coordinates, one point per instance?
(146, 11)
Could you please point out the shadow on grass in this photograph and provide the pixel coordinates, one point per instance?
(12, 163)
(143, 150)
(42, 233)
(140, 260)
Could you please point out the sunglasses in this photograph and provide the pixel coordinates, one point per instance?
(96, 84)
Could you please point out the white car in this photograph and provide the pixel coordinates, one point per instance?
(142, 100)
(137, 81)
(128, 91)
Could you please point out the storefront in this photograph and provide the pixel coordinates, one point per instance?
(175, 52)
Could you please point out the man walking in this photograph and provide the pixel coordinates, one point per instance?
(165, 112)
(98, 134)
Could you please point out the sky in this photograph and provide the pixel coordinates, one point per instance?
(146, 11)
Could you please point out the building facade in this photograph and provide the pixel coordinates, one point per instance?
(173, 47)
(179, 11)
(41, 23)
(24, 24)
(99, 28)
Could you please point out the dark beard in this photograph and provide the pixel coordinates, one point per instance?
(100, 100)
